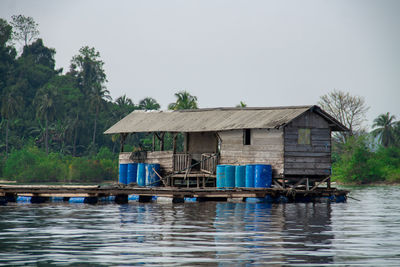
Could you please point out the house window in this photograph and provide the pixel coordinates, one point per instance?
(246, 137)
(304, 136)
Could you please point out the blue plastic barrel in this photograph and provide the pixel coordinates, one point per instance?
(230, 176)
(220, 176)
(77, 199)
(132, 173)
(152, 178)
(141, 174)
(249, 181)
(240, 176)
(23, 199)
(262, 176)
(123, 173)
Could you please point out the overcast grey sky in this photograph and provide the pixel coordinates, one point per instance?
(265, 53)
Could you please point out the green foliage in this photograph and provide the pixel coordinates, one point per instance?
(184, 101)
(149, 103)
(384, 126)
(32, 165)
(241, 105)
(359, 164)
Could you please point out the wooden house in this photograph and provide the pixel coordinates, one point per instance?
(295, 140)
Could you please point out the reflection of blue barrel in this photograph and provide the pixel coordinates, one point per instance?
(132, 173)
(152, 178)
(262, 176)
(249, 176)
(240, 176)
(220, 176)
(123, 173)
(141, 174)
(229, 176)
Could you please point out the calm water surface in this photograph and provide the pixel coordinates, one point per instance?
(365, 232)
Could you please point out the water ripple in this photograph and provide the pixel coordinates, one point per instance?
(365, 232)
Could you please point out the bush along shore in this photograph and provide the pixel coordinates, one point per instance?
(361, 162)
(33, 165)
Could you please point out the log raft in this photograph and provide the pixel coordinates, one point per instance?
(9, 193)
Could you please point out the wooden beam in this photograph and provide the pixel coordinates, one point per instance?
(317, 184)
(154, 142)
(298, 183)
(175, 135)
(123, 137)
(277, 184)
(162, 141)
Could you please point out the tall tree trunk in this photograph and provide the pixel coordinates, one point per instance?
(74, 145)
(46, 136)
(75, 135)
(95, 124)
(7, 126)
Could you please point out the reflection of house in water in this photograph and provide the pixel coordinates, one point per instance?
(227, 233)
(305, 232)
(263, 233)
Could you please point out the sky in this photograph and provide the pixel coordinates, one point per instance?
(261, 52)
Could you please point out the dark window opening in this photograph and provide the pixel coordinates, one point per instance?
(246, 137)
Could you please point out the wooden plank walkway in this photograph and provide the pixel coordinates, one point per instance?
(173, 192)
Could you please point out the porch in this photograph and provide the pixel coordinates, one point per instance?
(179, 169)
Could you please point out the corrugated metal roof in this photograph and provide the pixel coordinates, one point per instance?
(210, 119)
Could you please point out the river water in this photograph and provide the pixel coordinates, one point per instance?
(365, 232)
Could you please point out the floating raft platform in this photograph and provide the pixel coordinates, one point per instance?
(42, 193)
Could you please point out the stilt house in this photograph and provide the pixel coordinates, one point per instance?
(295, 140)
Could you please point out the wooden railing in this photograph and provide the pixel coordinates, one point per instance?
(209, 162)
(181, 161)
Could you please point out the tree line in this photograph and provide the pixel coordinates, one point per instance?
(60, 113)
(49, 118)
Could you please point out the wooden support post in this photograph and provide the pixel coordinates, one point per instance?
(307, 184)
(154, 142)
(91, 200)
(317, 184)
(185, 142)
(144, 198)
(276, 183)
(175, 135)
(162, 141)
(179, 199)
(299, 182)
(123, 137)
(328, 183)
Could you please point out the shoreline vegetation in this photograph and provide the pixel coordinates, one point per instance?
(52, 121)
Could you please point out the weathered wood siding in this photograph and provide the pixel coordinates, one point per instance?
(266, 148)
(125, 157)
(308, 160)
(164, 158)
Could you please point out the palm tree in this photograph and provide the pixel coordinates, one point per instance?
(10, 105)
(149, 104)
(184, 101)
(45, 102)
(385, 131)
(125, 106)
(99, 93)
(241, 105)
